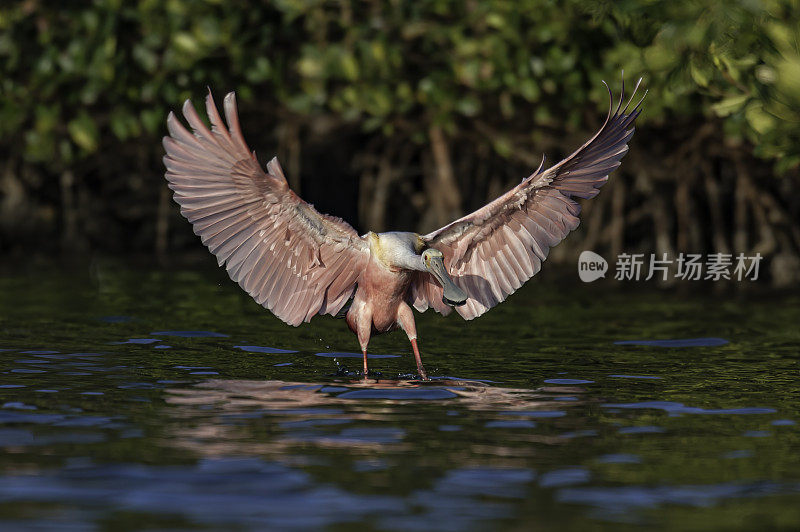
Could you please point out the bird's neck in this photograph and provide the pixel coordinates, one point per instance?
(395, 254)
(405, 260)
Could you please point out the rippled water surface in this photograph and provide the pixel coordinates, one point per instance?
(166, 401)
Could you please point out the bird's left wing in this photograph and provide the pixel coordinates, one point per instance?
(289, 257)
(493, 251)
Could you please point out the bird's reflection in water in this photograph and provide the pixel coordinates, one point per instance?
(390, 416)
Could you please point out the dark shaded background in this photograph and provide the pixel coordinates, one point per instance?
(404, 115)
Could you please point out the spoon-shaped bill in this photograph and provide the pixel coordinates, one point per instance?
(452, 294)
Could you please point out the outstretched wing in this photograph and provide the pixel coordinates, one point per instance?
(293, 260)
(493, 251)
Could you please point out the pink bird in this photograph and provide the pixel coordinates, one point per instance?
(298, 262)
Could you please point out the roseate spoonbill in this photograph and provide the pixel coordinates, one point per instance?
(298, 262)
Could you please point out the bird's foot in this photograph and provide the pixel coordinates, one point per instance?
(371, 374)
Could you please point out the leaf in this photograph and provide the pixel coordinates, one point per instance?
(310, 67)
(729, 105)
(259, 71)
(660, 58)
(152, 119)
(124, 124)
(186, 43)
(759, 120)
(47, 118)
(529, 90)
(84, 132)
(699, 75)
(469, 106)
(349, 66)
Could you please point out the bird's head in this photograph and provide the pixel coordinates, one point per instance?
(434, 263)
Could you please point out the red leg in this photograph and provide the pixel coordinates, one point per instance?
(363, 331)
(420, 367)
(405, 318)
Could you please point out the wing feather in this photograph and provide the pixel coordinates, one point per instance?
(493, 251)
(269, 239)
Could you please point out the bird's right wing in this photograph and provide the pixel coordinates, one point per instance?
(293, 260)
(493, 251)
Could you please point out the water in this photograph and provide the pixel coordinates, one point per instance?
(134, 400)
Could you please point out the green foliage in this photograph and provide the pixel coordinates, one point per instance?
(86, 77)
(736, 59)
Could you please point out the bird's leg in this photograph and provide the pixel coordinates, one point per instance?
(364, 330)
(405, 319)
(364, 351)
(420, 367)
